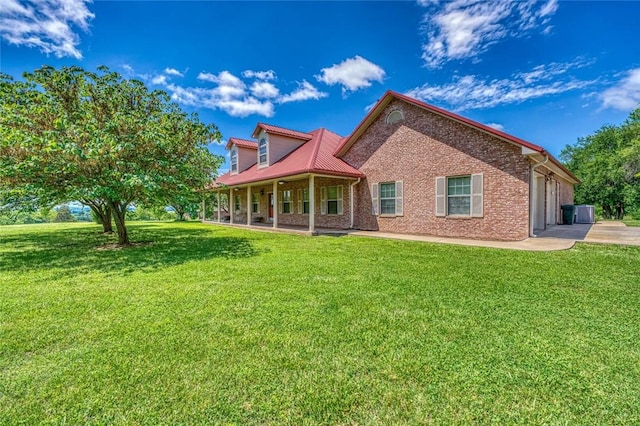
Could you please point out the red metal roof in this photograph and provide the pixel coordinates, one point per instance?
(281, 131)
(314, 156)
(242, 143)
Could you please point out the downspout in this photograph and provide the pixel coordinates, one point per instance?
(532, 168)
(351, 203)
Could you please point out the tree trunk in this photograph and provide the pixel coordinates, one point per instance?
(103, 212)
(179, 212)
(119, 211)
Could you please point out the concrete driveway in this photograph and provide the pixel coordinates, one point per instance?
(610, 232)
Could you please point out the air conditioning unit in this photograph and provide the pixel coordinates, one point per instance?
(584, 214)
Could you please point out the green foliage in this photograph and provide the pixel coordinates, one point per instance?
(76, 134)
(608, 163)
(152, 213)
(64, 215)
(215, 325)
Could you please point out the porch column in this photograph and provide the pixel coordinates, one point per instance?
(219, 208)
(275, 203)
(312, 204)
(249, 206)
(204, 211)
(232, 206)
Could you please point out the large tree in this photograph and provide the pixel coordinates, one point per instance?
(100, 138)
(608, 164)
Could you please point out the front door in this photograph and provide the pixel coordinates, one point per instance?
(270, 206)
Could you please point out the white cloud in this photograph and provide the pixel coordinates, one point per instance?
(305, 91)
(48, 25)
(463, 29)
(472, 92)
(263, 89)
(353, 74)
(626, 94)
(246, 107)
(260, 75)
(160, 79)
(173, 71)
(231, 94)
(229, 86)
(128, 69)
(496, 126)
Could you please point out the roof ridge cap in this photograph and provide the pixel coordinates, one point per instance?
(314, 155)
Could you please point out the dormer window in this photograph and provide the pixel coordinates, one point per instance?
(234, 160)
(262, 151)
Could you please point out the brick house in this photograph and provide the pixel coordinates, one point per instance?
(408, 167)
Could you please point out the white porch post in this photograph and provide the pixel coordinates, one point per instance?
(219, 208)
(312, 204)
(249, 206)
(232, 206)
(275, 204)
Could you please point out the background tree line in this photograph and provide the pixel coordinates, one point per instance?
(608, 164)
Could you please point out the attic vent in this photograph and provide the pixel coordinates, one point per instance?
(395, 116)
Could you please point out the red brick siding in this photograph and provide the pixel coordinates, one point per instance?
(424, 146)
(566, 192)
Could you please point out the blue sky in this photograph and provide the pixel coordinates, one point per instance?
(547, 72)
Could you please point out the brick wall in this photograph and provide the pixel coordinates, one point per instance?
(424, 146)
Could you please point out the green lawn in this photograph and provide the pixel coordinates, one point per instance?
(213, 325)
(632, 222)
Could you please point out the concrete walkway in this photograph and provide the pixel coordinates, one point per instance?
(559, 237)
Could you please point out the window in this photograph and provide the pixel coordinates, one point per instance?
(386, 199)
(234, 160)
(460, 196)
(331, 200)
(255, 203)
(394, 117)
(303, 201)
(237, 203)
(262, 151)
(286, 201)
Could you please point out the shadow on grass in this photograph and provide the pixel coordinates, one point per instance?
(76, 251)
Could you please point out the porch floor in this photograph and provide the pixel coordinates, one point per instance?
(286, 229)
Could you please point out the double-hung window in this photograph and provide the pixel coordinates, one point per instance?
(262, 151)
(387, 199)
(286, 201)
(234, 160)
(460, 196)
(303, 201)
(238, 203)
(255, 203)
(331, 202)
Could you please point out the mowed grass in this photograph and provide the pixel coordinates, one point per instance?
(215, 325)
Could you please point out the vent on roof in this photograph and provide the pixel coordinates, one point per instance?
(395, 116)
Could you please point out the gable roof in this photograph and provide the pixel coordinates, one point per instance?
(314, 156)
(243, 143)
(281, 131)
(390, 95)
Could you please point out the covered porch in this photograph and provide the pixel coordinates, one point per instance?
(311, 203)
